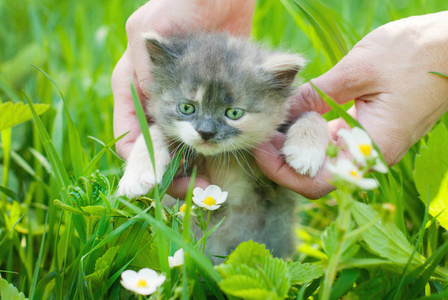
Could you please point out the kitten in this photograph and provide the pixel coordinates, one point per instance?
(220, 96)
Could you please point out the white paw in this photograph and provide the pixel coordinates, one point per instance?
(136, 183)
(306, 161)
(306, 144)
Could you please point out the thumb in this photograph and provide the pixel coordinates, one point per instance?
(351, 78)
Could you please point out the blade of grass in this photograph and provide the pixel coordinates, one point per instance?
(423, 279)
(76, 151)
(55, 161)
(90, 167)
(38, 262)
(202, 261)
(344, 282)
(162, 243)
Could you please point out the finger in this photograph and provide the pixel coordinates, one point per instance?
(335, 125)
(179, 186)
(350, 78)
(272, 164)
(125, 119)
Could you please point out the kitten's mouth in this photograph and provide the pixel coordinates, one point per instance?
(207, 148)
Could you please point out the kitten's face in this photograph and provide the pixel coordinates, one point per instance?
(218, 94)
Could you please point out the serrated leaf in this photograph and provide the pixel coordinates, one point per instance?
(149, 257)
(102, 268)
(13, 114)
(252, 261)
(384, 240)
(330, 240)
(247, 252)
(10, 292)
(247, 288)
(431, 173)
(229, 270)
(277, 271)
(306, 272)
(92, 210)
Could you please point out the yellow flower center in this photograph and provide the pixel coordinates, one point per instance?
(209, 201)
(366, 149)
(183, 208)
(354, 174)
(142, 283)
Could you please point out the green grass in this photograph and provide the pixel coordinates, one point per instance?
(77, 247)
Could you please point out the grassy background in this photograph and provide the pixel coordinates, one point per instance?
(78, 43)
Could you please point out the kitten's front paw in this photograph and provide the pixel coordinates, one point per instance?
(304, 160)
(306, 144)
(136, 183)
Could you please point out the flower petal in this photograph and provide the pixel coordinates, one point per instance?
(380, 166)
(129, 276)
(198, 192)
(213, 191)
(198, 201)
(148, 274)
(171, 262)
(158, 281)
(179, 254)
(213, 207)
(367, 183)
(147, 290)
(222, 198)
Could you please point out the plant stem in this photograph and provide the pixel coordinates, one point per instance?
(204, 231)
(342, 227)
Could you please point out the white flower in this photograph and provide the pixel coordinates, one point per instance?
(183, 210)
(360, 146)
(145, 282)
(347, 171)
(211, 198)
(177, 259)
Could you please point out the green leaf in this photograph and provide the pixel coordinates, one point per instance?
(251, 261)
(431, 173)
(229, 270)
(247, 253)
(344, 282)
(149, 257)
(76, 151)
(8, 291)
(277, 271)
(330, 241)
(56, 163)
(92, 210)
(102, 268)
(13, 114)
(247, 288)
(8, 192)
(384, 240)
(304, 272)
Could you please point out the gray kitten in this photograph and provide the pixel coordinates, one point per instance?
(220, 96)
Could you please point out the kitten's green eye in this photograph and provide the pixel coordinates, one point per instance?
(186, 109)
(234, 113)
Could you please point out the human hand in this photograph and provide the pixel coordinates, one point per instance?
(165, 17)
(396, 99)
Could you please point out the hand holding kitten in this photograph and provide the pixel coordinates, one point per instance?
(397, 100)
(165, 17)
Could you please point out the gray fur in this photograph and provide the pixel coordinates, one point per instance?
(227, 72)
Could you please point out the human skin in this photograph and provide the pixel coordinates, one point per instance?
(166, 17)
(396, 99)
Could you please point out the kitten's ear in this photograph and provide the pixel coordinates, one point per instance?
(158, 49)
(283, 68)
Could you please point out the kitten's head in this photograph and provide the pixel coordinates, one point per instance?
(218, 93)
